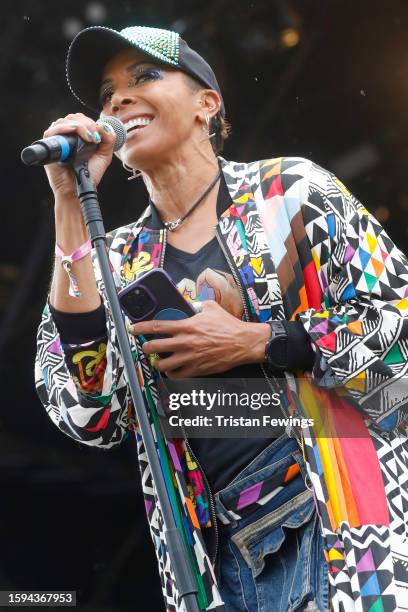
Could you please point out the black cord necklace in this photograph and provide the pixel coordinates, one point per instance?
(173, 225)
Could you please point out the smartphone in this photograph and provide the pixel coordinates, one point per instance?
(154, 296)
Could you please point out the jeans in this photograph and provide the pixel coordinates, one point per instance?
(270, 553)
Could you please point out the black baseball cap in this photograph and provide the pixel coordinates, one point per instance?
(93, 47)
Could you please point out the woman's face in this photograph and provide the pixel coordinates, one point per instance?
(159, 109)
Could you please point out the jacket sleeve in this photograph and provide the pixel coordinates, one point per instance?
(361, 331)
(82, 386)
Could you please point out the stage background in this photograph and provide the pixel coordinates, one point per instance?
(324, 82)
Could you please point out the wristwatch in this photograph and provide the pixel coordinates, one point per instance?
(276, 349)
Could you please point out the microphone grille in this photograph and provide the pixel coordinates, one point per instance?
(118, 128)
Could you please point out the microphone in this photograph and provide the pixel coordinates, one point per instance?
(65, 148)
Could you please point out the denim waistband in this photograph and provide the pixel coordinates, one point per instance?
(267, 475)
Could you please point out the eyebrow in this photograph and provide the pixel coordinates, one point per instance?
(128, 69)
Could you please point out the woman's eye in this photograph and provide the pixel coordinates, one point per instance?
(149, 75)
(105, 96)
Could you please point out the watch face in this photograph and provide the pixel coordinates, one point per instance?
(277, 352)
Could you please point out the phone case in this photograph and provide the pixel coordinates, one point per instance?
(164, 301)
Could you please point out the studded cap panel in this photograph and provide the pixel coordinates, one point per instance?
(93, 47)
(163, 44)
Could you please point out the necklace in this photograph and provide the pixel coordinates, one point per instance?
(173, 225)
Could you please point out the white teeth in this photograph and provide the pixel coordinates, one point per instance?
(136, 122)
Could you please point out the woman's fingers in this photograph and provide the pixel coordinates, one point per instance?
(60, 177)
(87, 131)
(107, 134)
(84, 126)
(165, 345)
(167, 327)
(167, 364)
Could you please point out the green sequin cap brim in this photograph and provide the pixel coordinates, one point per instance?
(93, 47)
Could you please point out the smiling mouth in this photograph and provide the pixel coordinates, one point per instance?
(139, 123)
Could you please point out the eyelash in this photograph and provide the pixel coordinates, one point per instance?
(149, 75)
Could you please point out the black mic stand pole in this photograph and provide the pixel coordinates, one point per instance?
(185, 581)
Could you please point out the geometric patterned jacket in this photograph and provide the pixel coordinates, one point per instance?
(299, 246)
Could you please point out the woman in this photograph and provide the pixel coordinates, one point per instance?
(297, 275)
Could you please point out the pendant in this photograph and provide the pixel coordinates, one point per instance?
(172, 225)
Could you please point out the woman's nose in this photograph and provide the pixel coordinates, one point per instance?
(120, 99)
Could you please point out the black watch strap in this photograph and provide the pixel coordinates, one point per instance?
(276, 349)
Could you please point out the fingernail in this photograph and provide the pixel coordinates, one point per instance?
(129, 329)
(97, 137)
(153, 359)
(89, 134)
(74, 124)
(107, 128)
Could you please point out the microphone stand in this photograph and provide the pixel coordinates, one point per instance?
(185, 581)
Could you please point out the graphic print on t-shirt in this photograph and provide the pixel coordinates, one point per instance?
(204, 275)
(213, 285)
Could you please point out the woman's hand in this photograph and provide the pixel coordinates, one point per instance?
(61, 178)
(210, 342)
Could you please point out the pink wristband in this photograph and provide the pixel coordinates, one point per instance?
(67, 261)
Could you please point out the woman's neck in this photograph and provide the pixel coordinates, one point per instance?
(176, 185)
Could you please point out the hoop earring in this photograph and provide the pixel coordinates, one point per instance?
(135, 173)
(206, 129)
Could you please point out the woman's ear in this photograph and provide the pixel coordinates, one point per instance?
(210, 102)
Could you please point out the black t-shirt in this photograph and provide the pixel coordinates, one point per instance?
(202, 276)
